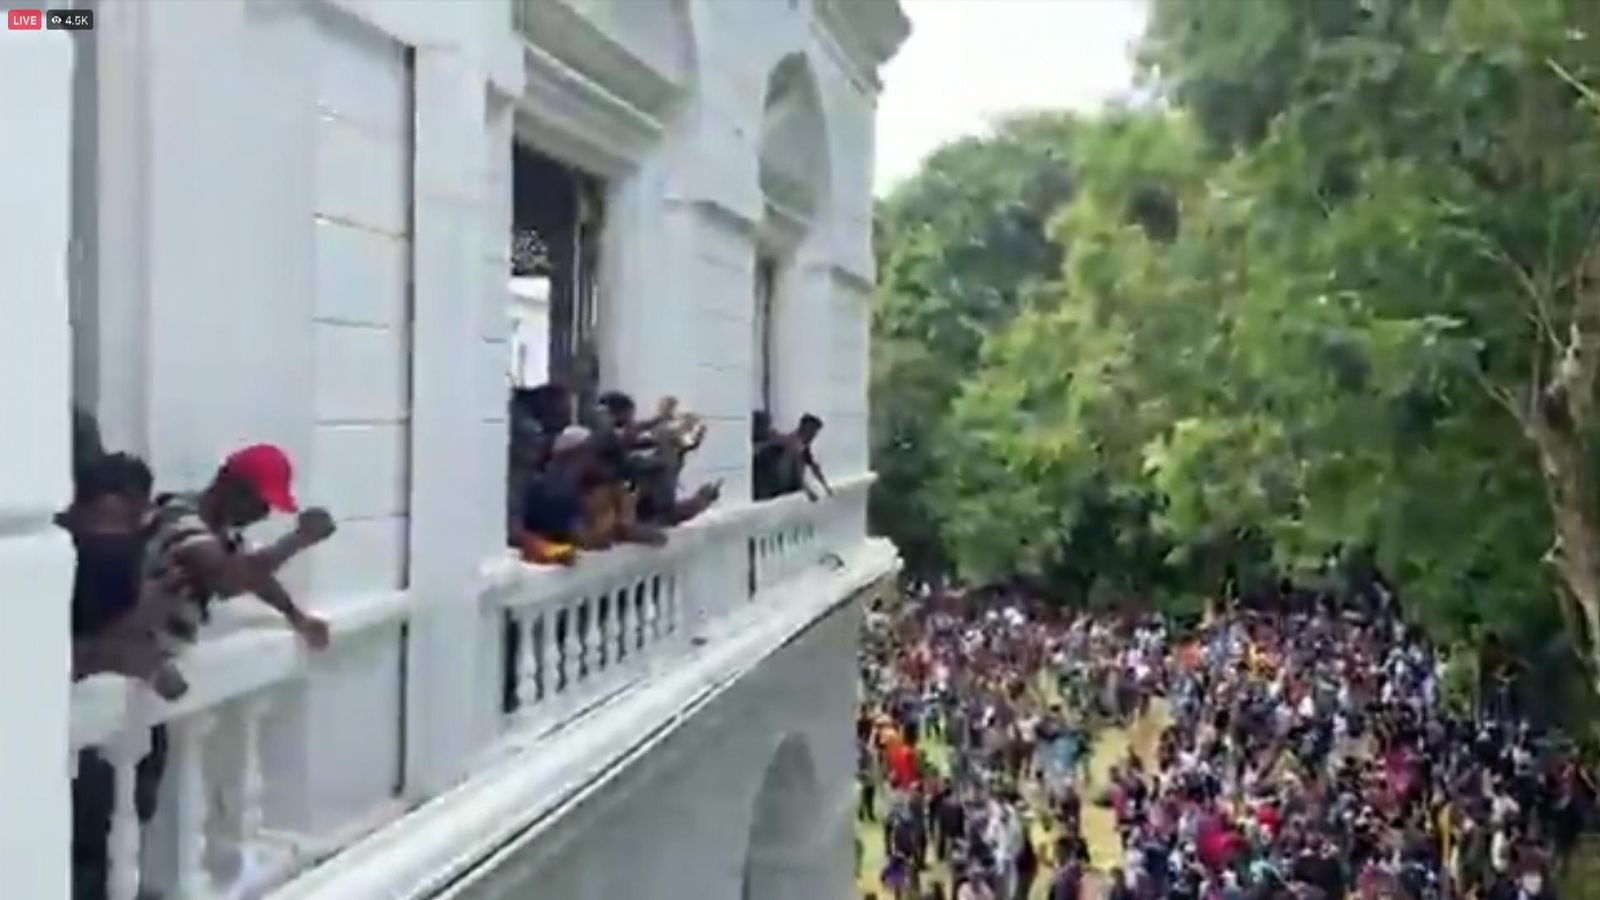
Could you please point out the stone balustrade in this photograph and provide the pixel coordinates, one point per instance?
(572, 638)
(576, 636)
(218, 845)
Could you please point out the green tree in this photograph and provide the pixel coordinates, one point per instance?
(961, 247)
(1435, 162)
(1336, 292)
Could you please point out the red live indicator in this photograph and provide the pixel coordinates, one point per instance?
(24, 19)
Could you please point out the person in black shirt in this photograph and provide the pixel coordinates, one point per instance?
(111, 494)
(767, 454)
(552, 505)
(537, 415)
(111, 497)
(782, 461)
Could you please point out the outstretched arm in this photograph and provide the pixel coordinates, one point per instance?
(816, 471)
(231, 574)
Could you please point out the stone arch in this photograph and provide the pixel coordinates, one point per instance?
(785, 816)
(795, 163)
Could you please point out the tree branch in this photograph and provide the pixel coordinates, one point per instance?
(1503, 396)
(1539, 314)
(1590, 97)
(1580, 275)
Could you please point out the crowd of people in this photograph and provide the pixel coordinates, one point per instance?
(1306, 751)
(149, 568)
(587, 476)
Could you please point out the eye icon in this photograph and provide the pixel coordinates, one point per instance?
(69, 19)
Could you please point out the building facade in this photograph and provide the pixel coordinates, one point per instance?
(297, 222)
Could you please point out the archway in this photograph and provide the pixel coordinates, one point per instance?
(785, 818)
(794, 164)
(794, 175)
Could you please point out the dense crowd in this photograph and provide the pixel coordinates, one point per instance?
(1301, 752)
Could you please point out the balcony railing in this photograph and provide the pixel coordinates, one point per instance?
(578, 636)
(572, 637)
(219, 844)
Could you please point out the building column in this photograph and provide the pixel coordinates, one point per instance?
(449, 509)
(35, 396)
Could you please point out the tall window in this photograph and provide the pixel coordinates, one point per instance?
(765, 289)
(558, 217)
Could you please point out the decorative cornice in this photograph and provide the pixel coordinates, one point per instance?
(782, 229)
(868, 31)
(732, 219)
(789, 192)
(852, 279)
(559, 29)
(578, 119)
(843, 275)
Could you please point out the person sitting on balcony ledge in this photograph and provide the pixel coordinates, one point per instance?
(782, 460)
(199, 536)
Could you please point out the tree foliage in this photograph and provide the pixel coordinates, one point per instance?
(962, 247)
(1338, 290)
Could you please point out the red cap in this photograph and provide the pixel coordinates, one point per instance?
(267, 469)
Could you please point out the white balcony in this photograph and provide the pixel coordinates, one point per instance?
(607, 654)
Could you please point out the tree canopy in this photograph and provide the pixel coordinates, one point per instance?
(1334, 292)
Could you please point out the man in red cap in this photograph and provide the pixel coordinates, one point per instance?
(198, 535)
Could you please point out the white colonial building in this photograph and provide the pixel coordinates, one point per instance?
(232, 221)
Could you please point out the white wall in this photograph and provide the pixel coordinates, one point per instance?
(35, 558)
(303, 275)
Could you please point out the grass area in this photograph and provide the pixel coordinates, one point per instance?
(1582, 880)
(1099, 825)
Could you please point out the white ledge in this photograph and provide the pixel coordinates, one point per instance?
(507, 571)
(437, 850)
(259, 653)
